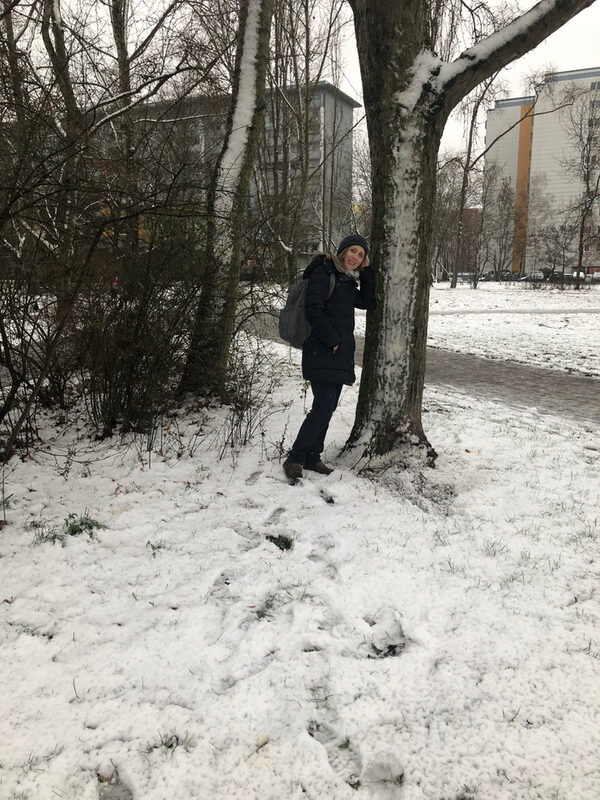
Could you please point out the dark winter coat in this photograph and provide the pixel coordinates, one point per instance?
(332, 320)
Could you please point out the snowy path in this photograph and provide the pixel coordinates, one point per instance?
(575, 397)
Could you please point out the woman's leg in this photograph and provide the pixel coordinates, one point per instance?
(310, 441)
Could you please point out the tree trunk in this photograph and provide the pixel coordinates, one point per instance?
(409, 92)
(64, 256)
(127, 224)
(404, 145)
(206, 367)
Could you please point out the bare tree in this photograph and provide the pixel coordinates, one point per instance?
(447, 203)
(499, 213)
(92, 191)
(362, 188)
(471, 109)
(559, 241)
(295, 193)
(583, 130)
(409, 92)
(208, 354)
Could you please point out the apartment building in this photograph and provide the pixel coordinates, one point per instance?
(304, 167)
(301, 194)
(539, 143)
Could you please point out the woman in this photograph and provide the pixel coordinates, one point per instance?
(328, 353)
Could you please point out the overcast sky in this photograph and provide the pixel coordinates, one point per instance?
(575, 46)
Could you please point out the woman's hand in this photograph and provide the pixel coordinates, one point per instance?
(365, 262)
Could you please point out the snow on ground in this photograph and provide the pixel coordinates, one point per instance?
(427, 636)
(544, 327)
(555, 328)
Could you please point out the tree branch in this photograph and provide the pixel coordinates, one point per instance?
(140, 49)
(479, 62)
(8, 7)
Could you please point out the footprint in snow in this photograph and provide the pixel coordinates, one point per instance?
(221, 588)
(114, 791)
(250, 537)
(246, 668)
(275, 516)
(379, 767)
(329, 568)
(342, 756)
(327, 497)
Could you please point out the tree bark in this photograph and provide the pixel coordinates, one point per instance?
(409, 93)
(403, 144)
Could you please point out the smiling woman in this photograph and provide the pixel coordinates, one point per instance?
(328, 352)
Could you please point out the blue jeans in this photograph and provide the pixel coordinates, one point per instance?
(310, 441)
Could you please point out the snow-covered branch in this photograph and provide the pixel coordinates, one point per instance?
(243, 111)
(455, 80)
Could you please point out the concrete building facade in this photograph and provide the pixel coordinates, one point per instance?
(301, 189)
(534, 142)
(326, 200)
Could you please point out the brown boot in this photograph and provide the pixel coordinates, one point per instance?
(319, 467)
(292, 470)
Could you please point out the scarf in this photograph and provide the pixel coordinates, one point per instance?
(353, 273)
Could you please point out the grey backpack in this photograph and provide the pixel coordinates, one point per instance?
(294, 328)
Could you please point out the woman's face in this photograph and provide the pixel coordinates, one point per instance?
(353, 257)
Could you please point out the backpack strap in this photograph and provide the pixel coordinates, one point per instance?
(331, 284)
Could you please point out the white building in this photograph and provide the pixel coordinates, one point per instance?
(534, 142)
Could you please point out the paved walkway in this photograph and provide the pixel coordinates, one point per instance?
(547, 391)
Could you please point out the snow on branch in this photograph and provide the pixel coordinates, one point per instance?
(453, 81)
(427, 65)
(478, 62)
(57, 13)
(245, 105)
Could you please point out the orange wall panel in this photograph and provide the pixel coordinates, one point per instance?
(522, 186)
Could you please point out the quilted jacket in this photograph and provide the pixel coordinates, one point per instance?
(332, 320)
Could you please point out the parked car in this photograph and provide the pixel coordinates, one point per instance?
(569, 278)
(508, 275)
(533, 276)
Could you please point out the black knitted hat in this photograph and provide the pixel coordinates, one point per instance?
(354, 238)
